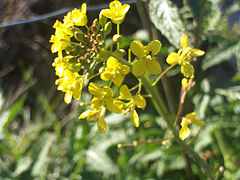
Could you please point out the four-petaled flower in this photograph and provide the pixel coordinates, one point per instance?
(138, 100)
(145, 61)
(116, 12)
(187, 120)
(183, 56)
(79, 17)
(104, 97)
(115, 71)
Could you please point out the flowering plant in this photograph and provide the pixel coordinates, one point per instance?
(82, 56)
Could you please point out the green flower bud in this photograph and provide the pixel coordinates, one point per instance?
(102, 19)
(108, 28)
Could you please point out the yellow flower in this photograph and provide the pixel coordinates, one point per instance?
(104, 97)
(71, 84)
(79, 17)
(115, 71)
(183, 56)
(116, 12)
(187, 120)
(96, 114)
(63, 63)
(144, 61)
(138, 100)
(61, 39)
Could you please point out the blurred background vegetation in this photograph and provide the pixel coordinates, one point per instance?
(41, 136)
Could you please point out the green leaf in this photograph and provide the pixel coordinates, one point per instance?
(40, 166)
(22, 165)
(165, 17)
(217, 56)
(232, 95)
(99, 161)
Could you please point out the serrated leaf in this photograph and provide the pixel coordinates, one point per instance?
(165, 17)
(219, 55)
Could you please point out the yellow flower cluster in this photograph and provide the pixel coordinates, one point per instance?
(82, 53)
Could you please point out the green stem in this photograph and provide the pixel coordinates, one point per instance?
(225, 148)
(157, 99)
(118, 32)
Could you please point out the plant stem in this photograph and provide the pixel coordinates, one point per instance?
(118, 32)
(161, 75)
(164, 113)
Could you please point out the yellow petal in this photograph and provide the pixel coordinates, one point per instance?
(197, 122)
(111, 63)
(184, 41)
(140, 101)
(84, 8)
(115, 6)
(77, 90)
(56, 47)
(187, 70)
(124, 69)
(184, 132)
(106, 75)
(94, 89)
(191, 115)
(107, 13)
(139, 67)
(116, 108)
(68, 97)
(96, 103)
(153, 67)
(102, 125)
(125, 93)
(154, 47)
(107, 91)
(125, 9)
(137, 48)
(197, 52)
(91, 115)
(117, 79)
(173, 58)
(135, 118)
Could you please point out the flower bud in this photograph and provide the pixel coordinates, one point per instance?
(120, 52)
(116, 38)
(102, 19)
(108, 28)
